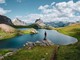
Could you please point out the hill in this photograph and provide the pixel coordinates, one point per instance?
(5, 20)
(72, 30)
(66, 52)
(7, 31)
(58, 24)
(70, 52)
(7, 28)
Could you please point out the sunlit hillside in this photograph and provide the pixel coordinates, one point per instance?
(72, 30)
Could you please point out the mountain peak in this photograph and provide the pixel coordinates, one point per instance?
(39, 23)
(5, 20)
(18, 22)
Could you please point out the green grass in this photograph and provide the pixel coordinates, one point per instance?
(70, 52)
(26, 31)
(5, 35)
(4, 51)
(37, 53)
(72, 30)
(29, 31)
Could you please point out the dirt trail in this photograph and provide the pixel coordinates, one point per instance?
(54, 55)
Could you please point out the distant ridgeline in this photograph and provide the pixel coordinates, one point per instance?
(5, 20)
(8, 21)
(38, 23)
(58, 23)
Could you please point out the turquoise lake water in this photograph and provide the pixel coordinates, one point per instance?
(54, 36)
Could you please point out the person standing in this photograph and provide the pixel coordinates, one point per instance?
(45, 34)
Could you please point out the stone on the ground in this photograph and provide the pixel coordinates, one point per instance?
(1, 57)
(47, 42)
(40, 43)
(33, 31)
(8, 54)
(31, 44)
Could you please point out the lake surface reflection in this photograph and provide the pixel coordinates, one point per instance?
(54, 36)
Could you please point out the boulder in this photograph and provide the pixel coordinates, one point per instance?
(8, 54)
(33, 31)
(47, 42)
(1, 57)
(31, 44)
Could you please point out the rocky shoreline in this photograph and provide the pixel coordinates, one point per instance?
(10, 53)
(39, 43)
(29, 45)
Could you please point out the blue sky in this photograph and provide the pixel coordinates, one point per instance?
(21, 8)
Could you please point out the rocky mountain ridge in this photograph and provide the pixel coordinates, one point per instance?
(18, 22)
(5, 20)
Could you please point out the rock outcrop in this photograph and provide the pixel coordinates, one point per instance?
(5, 20)
(40, 43)
(33, 31)
(40, 23)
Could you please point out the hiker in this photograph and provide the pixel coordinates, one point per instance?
(45, 35)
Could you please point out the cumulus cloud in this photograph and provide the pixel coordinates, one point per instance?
(3, 11)
(62, 11)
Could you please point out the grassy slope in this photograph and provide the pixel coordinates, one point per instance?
(37, 53)
(70, 52)
(29, 31)
(4, 51)
(5, 35)
(72, 30)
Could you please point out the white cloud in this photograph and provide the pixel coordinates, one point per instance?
(2, 1)
(19, 1)
(62, 11)
(30, 18)
(3, 11)
(19, 17)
